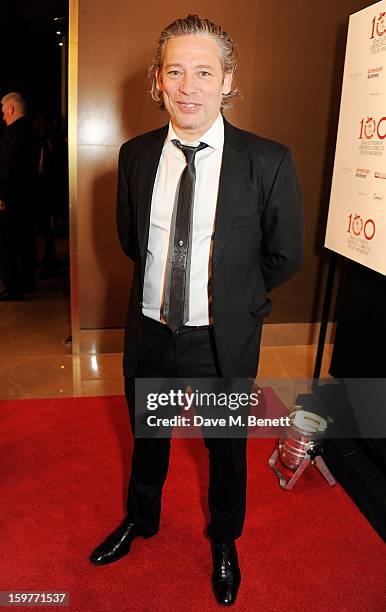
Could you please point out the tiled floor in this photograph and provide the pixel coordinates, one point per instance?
(35, 360)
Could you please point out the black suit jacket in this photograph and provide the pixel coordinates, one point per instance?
(19, 168)
(258, 241)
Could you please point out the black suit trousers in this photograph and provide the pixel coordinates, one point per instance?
(17, 252)
(189, 353)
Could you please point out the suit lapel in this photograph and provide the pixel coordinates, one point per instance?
(233, 169)
(148, 165)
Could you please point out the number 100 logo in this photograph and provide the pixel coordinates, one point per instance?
(359, 227)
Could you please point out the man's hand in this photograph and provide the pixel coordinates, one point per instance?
(2, 205)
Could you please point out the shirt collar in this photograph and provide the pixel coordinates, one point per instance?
(214, 137)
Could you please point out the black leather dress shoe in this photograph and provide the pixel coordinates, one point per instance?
(226, 573)
(118, 543)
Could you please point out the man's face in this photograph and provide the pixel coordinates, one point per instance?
(7, 112)
(192, 82)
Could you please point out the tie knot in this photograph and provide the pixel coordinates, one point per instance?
(188, 151)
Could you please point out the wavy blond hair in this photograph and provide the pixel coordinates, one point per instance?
(193, 24)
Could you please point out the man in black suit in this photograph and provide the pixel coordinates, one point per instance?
(244, 237)
(19, 171)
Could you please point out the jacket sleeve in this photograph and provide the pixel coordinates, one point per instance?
(282, 226)
(8, 158)
(125, 217)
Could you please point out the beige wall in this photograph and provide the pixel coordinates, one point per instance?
(290, 75)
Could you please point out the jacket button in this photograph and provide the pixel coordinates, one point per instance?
(140, 302)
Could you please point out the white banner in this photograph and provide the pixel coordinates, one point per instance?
(356, 226)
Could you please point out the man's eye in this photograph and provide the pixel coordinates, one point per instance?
(204, 73)
(174, 73)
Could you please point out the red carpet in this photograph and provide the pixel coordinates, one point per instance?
(64, 466)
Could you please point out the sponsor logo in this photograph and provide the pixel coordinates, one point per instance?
(355, 75)
(377, 196)
(362, 173)
(374, 73)
(381, 175)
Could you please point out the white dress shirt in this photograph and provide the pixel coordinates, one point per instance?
(171, 165)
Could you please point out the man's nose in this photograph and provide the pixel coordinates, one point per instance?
(187, 85)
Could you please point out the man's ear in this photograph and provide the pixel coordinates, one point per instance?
(158, 79)
(227, 83)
